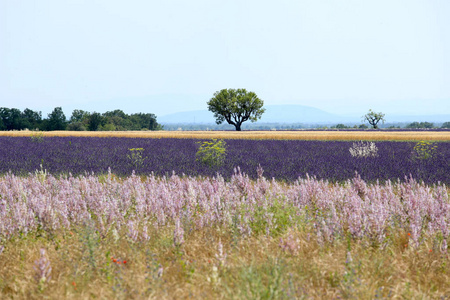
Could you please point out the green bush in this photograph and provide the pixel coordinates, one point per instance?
(211, 153)
(37, 137)
(136, 157)
(425, 150)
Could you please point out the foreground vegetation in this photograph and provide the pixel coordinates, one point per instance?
(165, 238)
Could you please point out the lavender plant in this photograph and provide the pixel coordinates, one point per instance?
(281, 159)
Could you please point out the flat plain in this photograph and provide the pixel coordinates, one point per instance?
(159, 235)
(401, 135)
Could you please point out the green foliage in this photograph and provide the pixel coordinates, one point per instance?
(424, 150)
(373, 118)
(263, 281)
(420, 125)
(236, 106)
(340, 126)
(446, 125)
(80, 120)
(37, 137)
(76, 126)
(95, 121)
(211, 153)
(273, 220)
(56, 120)
(136, 157)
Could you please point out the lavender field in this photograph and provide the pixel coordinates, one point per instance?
(278, 220)
(280, 159)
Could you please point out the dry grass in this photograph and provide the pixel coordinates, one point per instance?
(275, 135)
(255, 268)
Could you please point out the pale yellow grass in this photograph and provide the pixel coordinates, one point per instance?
(257, 135)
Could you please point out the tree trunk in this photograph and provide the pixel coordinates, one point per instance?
(238, 126)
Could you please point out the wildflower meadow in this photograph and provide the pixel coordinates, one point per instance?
(124, 218)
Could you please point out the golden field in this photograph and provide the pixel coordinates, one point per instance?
(256, 135)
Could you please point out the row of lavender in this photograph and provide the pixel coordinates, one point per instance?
(244, 206)
(281, 159)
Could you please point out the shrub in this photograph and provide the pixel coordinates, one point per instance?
(424, 150)
(136, 157)
(37, 137)
(211, 152)
(364, 149)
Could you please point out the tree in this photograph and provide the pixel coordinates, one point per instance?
(56, 120)
(11, 119)
(420, 125)
(373, 118)
(446, 125)
(32, 119)
(95, 120)
(340, 126)
(144, 121)
(236, 107)
(79, 115)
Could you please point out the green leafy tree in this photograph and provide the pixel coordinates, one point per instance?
(144, 121)
(374, 118)
(56, 120)
(32, 119)
(420, 125)
(95, 121)
(11, 119)
(79, 115)
(236, 106)
(446, 125)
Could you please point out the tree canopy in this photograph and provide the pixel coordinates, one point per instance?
(14, 119)
(236, 106)
(373, 118)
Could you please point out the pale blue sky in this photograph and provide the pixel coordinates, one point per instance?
(342, 56)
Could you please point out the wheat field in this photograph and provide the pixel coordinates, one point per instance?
(255, 135)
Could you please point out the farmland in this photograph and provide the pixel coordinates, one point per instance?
(384, 135)
(286, 216)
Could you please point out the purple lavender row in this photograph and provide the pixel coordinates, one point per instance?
(281, 159)
(355, 208)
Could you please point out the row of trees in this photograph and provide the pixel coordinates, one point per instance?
(426, 125)
(14, 119)
(413, 125)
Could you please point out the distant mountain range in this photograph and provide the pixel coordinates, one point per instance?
(295, 114)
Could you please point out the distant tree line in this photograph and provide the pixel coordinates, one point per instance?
(413, 125)
(14, 119)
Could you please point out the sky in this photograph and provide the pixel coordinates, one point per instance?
(162, 57)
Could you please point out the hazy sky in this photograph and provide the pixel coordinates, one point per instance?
(342, 56)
